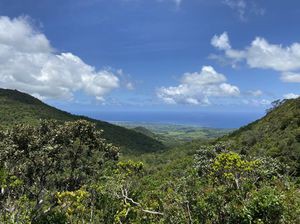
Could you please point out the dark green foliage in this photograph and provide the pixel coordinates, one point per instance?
(17, 107)
(144, 131)
(37, 161)
(276, 135)
(52, 217)
(267, 205)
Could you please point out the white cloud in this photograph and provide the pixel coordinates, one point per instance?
(244, 8)
(221, 42)
(291, 96)
(30, 64)
(197, 88)
(262, 54)
(290, 77)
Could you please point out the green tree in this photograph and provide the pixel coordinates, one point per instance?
(51, 157)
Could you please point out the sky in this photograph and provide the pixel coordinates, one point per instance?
(152, 55)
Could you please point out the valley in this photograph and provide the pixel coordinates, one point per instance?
(174, 134)
(63, 168)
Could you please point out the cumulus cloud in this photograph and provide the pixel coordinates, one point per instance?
(262, 54)
(197, 88)
(291, 96)
(29, 63)
(221, 42)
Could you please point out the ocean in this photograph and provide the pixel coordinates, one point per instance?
(201, 119)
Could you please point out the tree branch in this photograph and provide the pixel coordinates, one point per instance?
(124, 195)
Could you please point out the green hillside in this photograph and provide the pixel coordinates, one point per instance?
(55, 172)
(18, 107)
(277, 134)
(144, 131)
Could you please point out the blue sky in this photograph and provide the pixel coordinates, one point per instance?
(171, 55)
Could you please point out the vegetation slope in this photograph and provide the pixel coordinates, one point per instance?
(17, 107)
(56, 172)
(276, 135)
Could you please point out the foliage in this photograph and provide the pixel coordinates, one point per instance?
(230, 169)
(73, 203)
(39, 161)
(17, 107)
(54, 172)
(237, 191)
(276, 135)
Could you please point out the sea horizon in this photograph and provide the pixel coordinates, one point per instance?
(226, 120)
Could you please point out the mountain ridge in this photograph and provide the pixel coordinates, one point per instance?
(277, 134)
(16, 107)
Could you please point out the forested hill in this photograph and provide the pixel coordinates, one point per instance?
(17, 107)
(277, 134)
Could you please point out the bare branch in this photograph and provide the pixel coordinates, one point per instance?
(125, 193)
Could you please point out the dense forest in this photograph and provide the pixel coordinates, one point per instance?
(60, 168)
